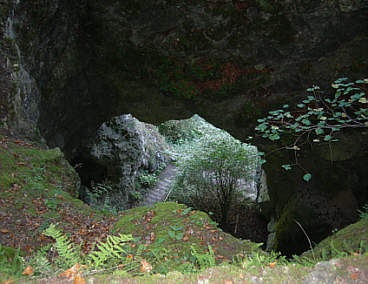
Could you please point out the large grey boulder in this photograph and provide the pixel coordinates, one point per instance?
(122, 149)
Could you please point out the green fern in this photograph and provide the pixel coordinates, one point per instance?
(108, 254)
(203, 260)
(40, 263)
(69, 254)
(111, 252)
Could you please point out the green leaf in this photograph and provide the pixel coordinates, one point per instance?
(319, 131)
(262, 127)
(285, 106)
(179, 236)
(300, 105)
(327, 138)
(307, 177)
(288, 115)
(286, 167)
(306, 122)
(356, 97)
(274, 137)
(176, 228)
(171, 234)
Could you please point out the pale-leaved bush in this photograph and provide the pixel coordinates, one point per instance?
(211, 172)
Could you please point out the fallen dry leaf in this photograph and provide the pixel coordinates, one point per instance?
(354, 276)
(71, 272)
(27, 271)
(145, 266)
(7, 282)
(152, 236)
(78, 279)
(272, 264)
(4, 231)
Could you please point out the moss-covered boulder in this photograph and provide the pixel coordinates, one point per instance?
(352, 239)
(170, 231)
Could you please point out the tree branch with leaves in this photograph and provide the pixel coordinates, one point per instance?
(319, 117)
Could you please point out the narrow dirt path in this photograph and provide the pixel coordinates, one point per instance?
(159, 191)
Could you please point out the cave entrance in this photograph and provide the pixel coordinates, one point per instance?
(130, 163)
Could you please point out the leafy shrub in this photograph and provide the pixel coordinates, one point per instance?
(180, 131)
(147, 180)
(99, 197)
(363, 214)
(211, 171)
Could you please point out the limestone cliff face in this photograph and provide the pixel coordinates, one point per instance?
(78, 63)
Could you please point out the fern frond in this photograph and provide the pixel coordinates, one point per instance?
(107, 254)
(69, 254)
(113, 250)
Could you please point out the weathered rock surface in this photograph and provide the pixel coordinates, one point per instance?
(234, 58)
(121, 150)
(329, 201)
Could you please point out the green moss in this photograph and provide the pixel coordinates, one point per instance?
(37, 187)
(175, 229)
(8, 253)
(30, 167)
(353, 238)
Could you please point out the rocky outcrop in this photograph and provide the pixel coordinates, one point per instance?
(226, 60)
(121, 150)
(328, 202)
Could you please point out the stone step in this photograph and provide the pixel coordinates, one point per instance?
(161, 189)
